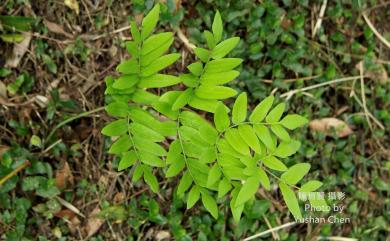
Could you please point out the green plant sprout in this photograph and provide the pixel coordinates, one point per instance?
(232, 156)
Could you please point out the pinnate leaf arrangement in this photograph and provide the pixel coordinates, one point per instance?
(229, 158)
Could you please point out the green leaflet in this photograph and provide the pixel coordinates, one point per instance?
(234, 139)
(158, 81)
(156, 53)
(150, 179)
(193, 196)
(274, 163)
(128, 67)
(221, 65)
(174, 152)
(184, 184)
(118, 109)
(291, 200)
(209, 134)
(236, 210)
(203, 104)
(183, 99)
(214, 92)
(202, 54)
(221, 118)
(150, 159)
(138, 172)
(293, 121)
(295, 173)
(148, 146)
(135, 32)
(132, 48)
(250, 138)
(159, 64)
(218, 78)
(239, 109)
(210, 204)
(265, 136)
(213, 176)
(248, 190)
(125, 81)
(146, 132)
(189, 80)
(261, 110)
(177, 165)
(141, 96)
(127, 160)
(264, 180)
(310, 186)
(223, 48)
(155, 41)
(195, 68)
(276, 113)
(121, 145)
(280, 132)
(217, 27)
(225, 148)
(209, 39)
(226, 160)
(150, 22)
(224, 187)
(286, 149)
(115, 128)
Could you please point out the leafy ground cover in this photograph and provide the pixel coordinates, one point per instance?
(51, 98)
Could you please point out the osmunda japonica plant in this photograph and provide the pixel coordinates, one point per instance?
(229, 155)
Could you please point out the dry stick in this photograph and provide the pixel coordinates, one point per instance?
(274, 234)
(369, 113)
(14, 172)
(270, 231)
(363, 93)
(320, 17)
(290, 93)
(380, 37)
(185, 40)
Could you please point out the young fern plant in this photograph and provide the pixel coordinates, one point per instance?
(229, 158)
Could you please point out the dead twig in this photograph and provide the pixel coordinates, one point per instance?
(378, 35)
(270, 231)
(25, 164)
(290, 93)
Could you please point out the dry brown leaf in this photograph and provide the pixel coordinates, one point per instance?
(55, 28)
(19, 51)
(64, 176)
(119, 197)
(74, 224)
(65, 213)
(94, 223)
(162, 235)
(330, 125)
